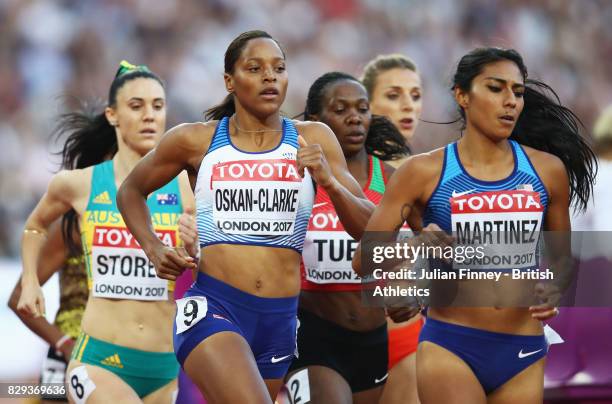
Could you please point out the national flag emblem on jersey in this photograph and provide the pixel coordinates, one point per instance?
(167, 199)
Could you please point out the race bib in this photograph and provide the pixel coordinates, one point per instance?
(256, 197)
(189, 312)
(121, 270)
(504, 224)
(80, 385)
(328, 249)
(299, 387)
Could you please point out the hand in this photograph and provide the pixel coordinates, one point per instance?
(401, 314)
(188, 232)
(66, 349)
(402, 308)
(170, 262)
(433, 235)
(313, 158)
(32, 301)
(550, 296)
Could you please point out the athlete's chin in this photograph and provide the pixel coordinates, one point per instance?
(407, 134)
(144, 146)
(500, 135)
(264, 109)
(351, 149)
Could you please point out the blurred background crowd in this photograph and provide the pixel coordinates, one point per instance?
(56, 52)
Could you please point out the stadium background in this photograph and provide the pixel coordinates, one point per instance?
(55, 52)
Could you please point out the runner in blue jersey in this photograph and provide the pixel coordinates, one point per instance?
(252, 171)
(520, 162)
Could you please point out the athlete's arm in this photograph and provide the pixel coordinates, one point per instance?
(557, 229)
(403, 191)
(320, 152)
(53, 258)
(188, 233)
(176, 152)
(63, 190)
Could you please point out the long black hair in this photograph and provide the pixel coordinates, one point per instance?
(90, 139)
(544, 123)
(383, 139)
(232, 54)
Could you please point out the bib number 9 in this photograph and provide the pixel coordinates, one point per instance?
(189, 311)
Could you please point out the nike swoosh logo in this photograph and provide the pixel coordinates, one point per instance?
(276, 360)
(522, 355)
(376, 381)
(456, 194)
(319, 204)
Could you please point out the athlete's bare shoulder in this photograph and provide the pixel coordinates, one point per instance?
(71, 185)
(192, 136)
(313, 131)
(187, 142)
(424, 165)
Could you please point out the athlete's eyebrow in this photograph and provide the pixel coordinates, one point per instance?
(142, 99)
(504, 82)
(347, 99)
(259, 59)
(400, 88)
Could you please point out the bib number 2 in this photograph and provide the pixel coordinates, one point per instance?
(189, 312)
(299, 387)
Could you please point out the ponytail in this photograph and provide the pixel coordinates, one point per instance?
(384, 140)
(90, 140)
(226, 108)
(548, 126)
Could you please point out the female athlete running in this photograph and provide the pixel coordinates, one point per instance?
(121, 354)
(342, 344)
(251, 170)
(519, 145)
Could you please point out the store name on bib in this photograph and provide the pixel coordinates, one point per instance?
(122, 238)
(498, 202)
(256, 170)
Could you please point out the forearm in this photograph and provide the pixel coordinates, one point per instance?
(135, 212)
(353, 211)
(31, 245)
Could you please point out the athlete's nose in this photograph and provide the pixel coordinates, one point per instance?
(269, 75)
(510, 99)
(406, 103)
(148, 113)
(354, 119)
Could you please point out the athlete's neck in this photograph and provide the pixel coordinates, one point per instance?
(476, 148)
(358, 165)
(251, 123)
(124, 161)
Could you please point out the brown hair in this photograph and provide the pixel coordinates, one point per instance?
(381, 64)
